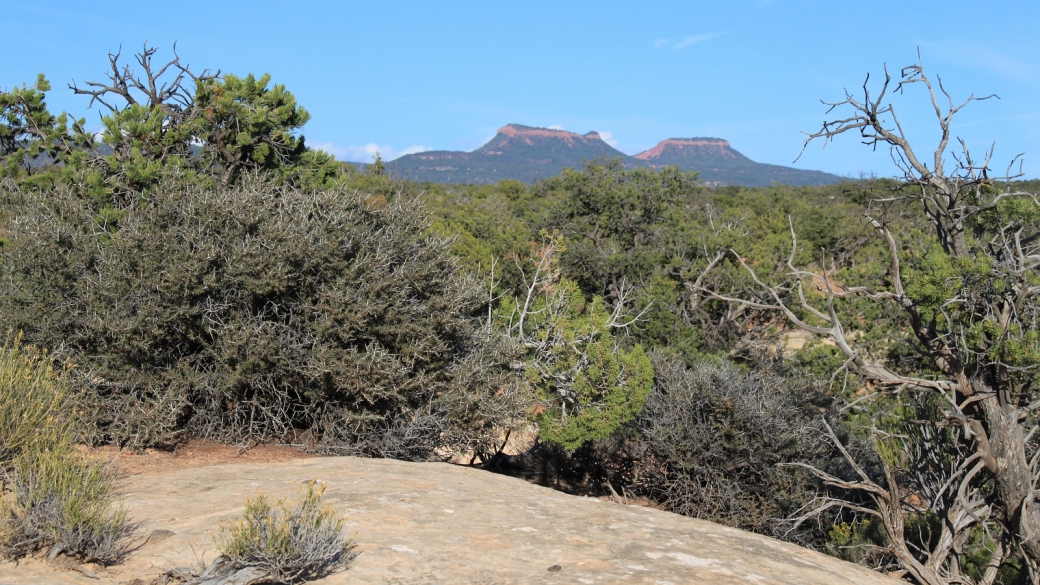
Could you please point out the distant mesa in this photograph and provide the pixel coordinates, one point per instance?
(687, 148)
(516, 136)
(524, 153)
(720, 164)
(529, 154)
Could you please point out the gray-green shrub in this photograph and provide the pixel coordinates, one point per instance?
(714, 437)
(291, 541)
(255, 312)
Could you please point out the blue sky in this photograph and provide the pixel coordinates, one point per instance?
(406, 76)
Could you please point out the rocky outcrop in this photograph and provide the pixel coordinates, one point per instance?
(517, 136)
(439, 523)
(526, 153)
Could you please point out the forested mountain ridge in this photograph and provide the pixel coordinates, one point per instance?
(529, 154)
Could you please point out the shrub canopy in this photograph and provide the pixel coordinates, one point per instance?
(716, 439)
(256, 311)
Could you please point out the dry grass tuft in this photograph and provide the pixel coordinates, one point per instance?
(292, 541)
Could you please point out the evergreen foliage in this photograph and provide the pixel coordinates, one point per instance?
(203, 273)
(244, 124)
(656, 230)
(587, 386)
(31, 136)
(960, 282)
(160, 117)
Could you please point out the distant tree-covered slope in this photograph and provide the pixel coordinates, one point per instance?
(531, 154)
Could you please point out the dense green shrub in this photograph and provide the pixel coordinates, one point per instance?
(291, 541)
(711, 443)
(30, 134)
(258, 311)
(655, 231)
(586, 385)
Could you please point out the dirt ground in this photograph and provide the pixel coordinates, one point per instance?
(192, 454)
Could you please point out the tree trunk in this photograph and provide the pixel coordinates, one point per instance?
(1013, 477)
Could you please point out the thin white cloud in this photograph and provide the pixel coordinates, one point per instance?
(608, 138)
(687, 41)
(367, 153)
(695, 39)
(344, 153)
(556, 127)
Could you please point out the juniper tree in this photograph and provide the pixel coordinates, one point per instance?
(586, 382)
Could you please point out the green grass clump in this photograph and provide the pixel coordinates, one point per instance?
(50, 496)
(32, 396)
(63, 502)
(293, 541)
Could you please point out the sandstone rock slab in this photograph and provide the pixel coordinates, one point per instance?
(439, 523)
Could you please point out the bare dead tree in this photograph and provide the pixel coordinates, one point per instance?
(166, 100)
(925, 472)
(542, 287)
(974, 326)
